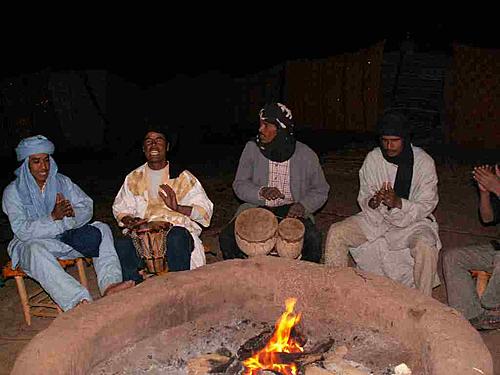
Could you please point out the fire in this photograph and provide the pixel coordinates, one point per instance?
(280, 342)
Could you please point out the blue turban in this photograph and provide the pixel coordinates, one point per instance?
(37, 144)
(37, 203)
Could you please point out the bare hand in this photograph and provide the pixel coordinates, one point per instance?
(62, 208)
(487, 178)
(168, 196)
(389, 197)
(271, 193)
(297, 210)
(153, 226)
(375, 201)
(133, 223)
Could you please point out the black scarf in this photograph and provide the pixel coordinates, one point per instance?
(404, 175)
(282, 147)
(395, 124)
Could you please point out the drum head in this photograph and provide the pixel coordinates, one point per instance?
(256, 225)
(291, 229)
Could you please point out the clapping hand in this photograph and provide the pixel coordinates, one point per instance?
(389, 197)
(62, 208)
(168, 196)
(487, 178)
(271, 193)
(375, 201)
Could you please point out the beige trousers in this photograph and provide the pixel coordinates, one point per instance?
(348, 234)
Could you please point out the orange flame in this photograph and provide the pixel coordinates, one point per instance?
(280, 342)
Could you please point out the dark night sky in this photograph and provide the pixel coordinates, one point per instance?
(154, 51)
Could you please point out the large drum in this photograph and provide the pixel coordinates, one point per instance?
(256, 231)
(150, 244)
(290, 238)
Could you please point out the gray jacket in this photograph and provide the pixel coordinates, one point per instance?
(307, 180)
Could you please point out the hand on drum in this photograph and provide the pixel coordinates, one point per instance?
(297, 211)
(133, 223)
(152, 226)
(168, 196)
(271, 193)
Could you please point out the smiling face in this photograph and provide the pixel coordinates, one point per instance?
(39, 165)
(155, 148)
(392, 145)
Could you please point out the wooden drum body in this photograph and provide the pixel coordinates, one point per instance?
(256, 231)
(151, 246)
(290, 238)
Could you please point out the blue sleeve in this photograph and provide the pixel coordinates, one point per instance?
(23, 227)
(81, 202)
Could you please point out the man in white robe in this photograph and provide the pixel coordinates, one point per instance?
(483, 312)
(395, 234)
(155, 193)
(49, 216)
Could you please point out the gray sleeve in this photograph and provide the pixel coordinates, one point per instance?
(243, 184)
(318, 188)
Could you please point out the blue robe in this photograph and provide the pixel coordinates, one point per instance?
(35, 246)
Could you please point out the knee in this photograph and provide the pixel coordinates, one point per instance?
(421, 246)
(124, 246)
(178, 235)
(89, 237)
(335, 233)
(34, 252)
(451, 258)
(102, 227)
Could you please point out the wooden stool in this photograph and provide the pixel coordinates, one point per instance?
(37, 303)
(482, 278)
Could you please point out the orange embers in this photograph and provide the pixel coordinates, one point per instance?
(281, 342)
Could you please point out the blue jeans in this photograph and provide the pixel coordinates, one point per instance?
(86, 240)
(179, 244)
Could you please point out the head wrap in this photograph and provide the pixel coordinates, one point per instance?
(37, 144)
(282, 147)
(38, 204)
(395, 124)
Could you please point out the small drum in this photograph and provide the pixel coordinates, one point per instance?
(151, 246)
(256, 230)
(290, 238)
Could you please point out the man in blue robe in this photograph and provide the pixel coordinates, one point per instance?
(49, 216)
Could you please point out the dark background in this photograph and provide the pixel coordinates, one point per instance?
(149, 49)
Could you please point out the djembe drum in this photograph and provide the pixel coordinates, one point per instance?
(150, 244)
(290, 238)
(255, 230)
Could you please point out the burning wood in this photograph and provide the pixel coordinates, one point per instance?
(208, 363)
(283, 351)
(281, 342)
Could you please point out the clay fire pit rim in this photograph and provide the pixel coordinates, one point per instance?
(74, 334)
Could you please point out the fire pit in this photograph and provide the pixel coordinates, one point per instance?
(161, 324)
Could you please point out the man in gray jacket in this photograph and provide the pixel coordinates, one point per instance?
(281, 174)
